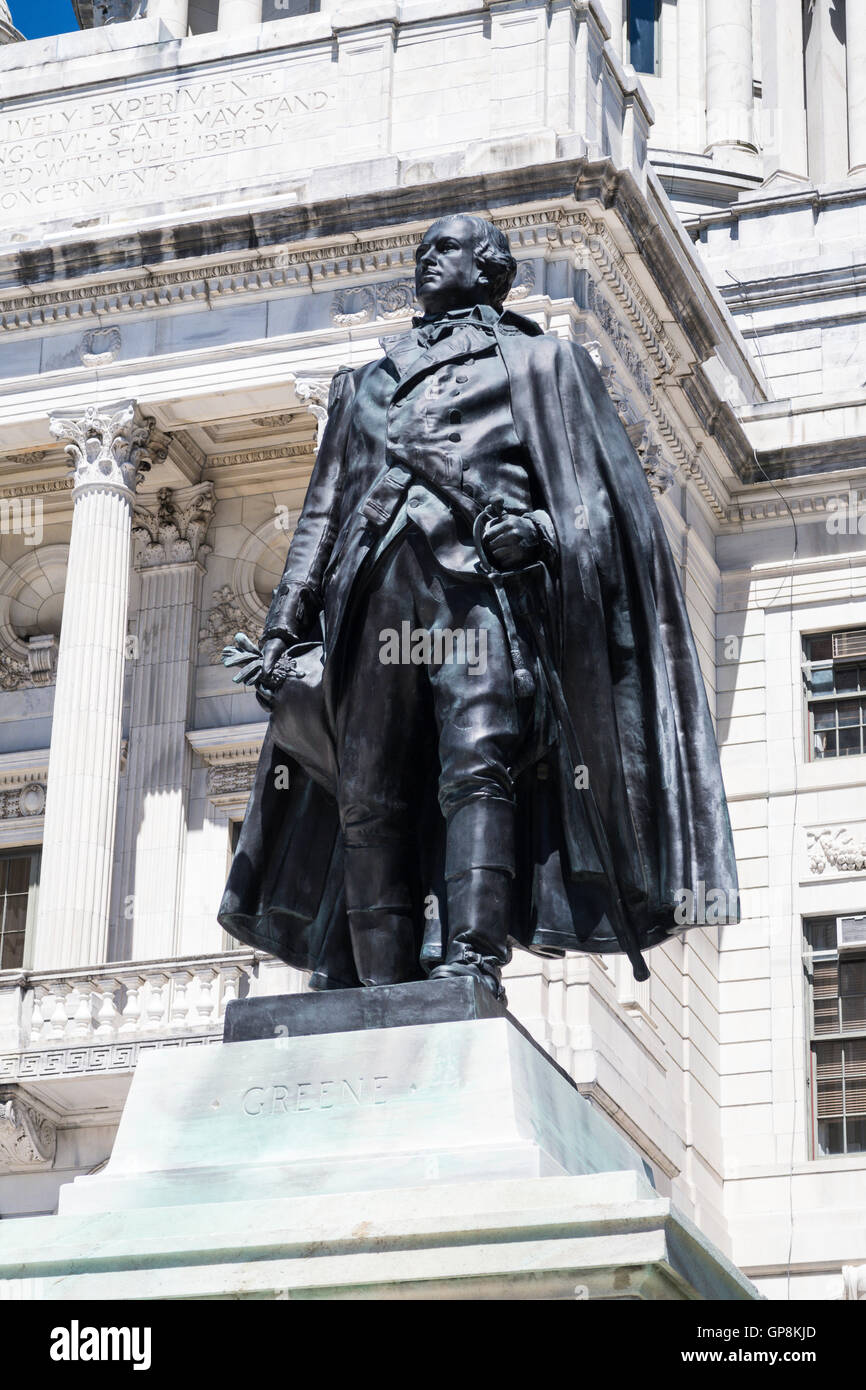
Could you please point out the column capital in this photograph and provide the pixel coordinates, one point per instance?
(170, 527)
(111, 447)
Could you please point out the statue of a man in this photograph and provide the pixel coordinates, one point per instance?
(510, 742)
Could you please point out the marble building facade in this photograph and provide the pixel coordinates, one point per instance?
(206, 208)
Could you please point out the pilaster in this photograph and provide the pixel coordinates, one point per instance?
(169, 530)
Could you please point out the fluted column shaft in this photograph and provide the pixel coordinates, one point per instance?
(856, 67)
(107, 449)
(730, 103)
(153, 835)
(784, 91)
(826, 100)
(235, 14)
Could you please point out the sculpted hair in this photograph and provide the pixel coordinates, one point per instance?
(493, 254)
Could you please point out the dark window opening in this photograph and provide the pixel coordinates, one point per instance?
(836, 970)
(643, 35)
(19, 877)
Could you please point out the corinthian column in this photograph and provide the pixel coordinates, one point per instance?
(108, 448)
(235, 14)
(856, 64)
(170, 529)
(730, 105)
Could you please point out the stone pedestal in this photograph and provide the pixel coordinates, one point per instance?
(450, 1160)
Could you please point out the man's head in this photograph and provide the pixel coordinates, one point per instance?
(463, 261)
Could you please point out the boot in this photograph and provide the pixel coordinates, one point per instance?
(381, 919)
(479, 917)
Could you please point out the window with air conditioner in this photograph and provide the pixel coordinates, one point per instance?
(834, 675)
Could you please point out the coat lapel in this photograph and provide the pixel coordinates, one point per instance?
(410, 360)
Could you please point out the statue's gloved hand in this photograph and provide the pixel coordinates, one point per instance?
(272, 650)
(512, 541)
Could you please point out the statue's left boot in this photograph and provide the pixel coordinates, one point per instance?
(479, 914)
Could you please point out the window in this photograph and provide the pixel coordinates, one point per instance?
(834, 671)
(836, 970)
(19, 878)
(643, 35)
(229, 942)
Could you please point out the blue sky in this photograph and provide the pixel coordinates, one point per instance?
(37, 17)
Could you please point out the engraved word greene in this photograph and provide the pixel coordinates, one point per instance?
(300, 1096)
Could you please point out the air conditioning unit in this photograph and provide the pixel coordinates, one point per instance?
(852, 931)
(850, 643)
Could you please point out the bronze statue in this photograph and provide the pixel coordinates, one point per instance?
(489, 726)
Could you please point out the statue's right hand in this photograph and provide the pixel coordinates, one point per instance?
(272, 650)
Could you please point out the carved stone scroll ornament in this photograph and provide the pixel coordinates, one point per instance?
(171, 527)
(28, 1139)
(110, 447)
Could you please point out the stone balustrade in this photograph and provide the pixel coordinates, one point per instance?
(122, 1002)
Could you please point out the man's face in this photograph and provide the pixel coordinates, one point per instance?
(447, 275)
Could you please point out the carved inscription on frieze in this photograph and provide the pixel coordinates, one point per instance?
(161, 139)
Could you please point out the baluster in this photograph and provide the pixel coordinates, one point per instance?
(132, 1009)
(155, 1007)
(80, 1009)
(178, 1014)
(107, 1017)
(38, 1018)
(55, 1011)
(229, 975)
(204, 1008)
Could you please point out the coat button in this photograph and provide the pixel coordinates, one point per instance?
(455, 418)
(462, 377)
(455, 438)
